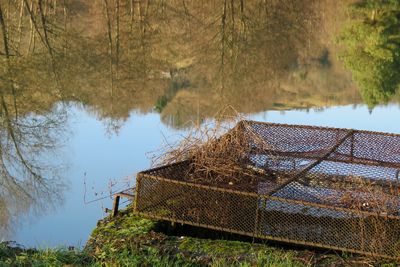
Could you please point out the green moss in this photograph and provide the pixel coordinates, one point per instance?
(215, 247)
(131, 240)
(129, 224)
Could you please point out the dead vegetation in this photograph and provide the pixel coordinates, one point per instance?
(219, 151)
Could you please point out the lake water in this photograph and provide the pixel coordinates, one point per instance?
(84, 108)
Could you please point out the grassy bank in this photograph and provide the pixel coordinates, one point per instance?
(130, 240)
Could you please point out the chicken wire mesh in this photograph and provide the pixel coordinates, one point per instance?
(324, 187)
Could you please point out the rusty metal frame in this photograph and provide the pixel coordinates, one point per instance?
(257, 232)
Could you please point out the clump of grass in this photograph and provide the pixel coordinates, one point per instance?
(13, 255)
(238, 253)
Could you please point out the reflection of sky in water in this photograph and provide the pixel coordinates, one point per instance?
(102, 158)
(383, 119)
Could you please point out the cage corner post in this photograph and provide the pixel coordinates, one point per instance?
(136, 199)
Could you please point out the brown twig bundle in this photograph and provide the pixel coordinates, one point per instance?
(219, 152)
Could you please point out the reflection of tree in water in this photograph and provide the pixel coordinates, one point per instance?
(255, 56)
(372, 46)
(30, 181)
(29, 137)
(187, 58)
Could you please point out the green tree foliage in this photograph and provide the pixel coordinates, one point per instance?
(372, 42)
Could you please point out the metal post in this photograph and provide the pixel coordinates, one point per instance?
(115, 205)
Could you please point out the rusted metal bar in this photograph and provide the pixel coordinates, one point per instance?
(137, 192)
(196, 185)
(309, 167)
(122, 194)
(321, 128)
(352, 148)
(164, 166)
(353, 160)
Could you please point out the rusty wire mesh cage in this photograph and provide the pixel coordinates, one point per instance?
(325, 187)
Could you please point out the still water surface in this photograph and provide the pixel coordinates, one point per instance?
(91, 151)
(83, 108)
